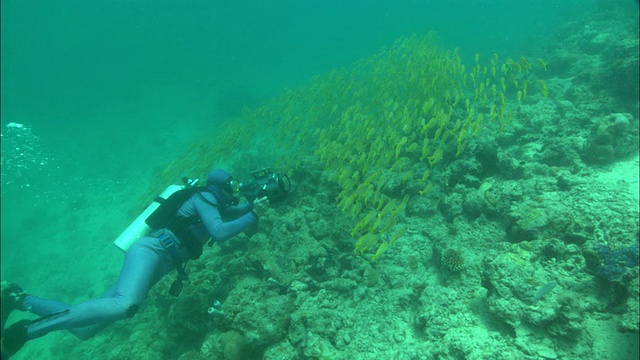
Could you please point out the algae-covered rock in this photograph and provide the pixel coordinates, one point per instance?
(611, 138)
(260, 315)
(233, 346)
(281, 351)
(631, 317)
(229, 345)
(191, 355)
(522, 293)
(188, 316)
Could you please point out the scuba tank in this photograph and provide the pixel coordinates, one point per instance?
(139, 228)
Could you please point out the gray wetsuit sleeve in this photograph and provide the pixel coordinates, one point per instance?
(237, 211)
(219, 229)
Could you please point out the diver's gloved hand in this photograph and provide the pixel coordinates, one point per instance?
(260, 206)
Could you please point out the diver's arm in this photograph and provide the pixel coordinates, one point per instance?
(239, 210)
(218, 229)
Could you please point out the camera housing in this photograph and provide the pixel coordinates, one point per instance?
(266, 182)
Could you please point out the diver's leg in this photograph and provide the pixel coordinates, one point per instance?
(42, 307)
(145, 263)
(11, 296)
(45, 307)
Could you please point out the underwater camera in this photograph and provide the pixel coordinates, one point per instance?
(266, 182)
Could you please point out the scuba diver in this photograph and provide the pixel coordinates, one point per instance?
(197, 221)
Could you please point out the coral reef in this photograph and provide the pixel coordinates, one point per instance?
(616, 264)
(452, 260)
(610, 138)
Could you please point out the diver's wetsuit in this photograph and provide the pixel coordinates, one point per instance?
(145, 263)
